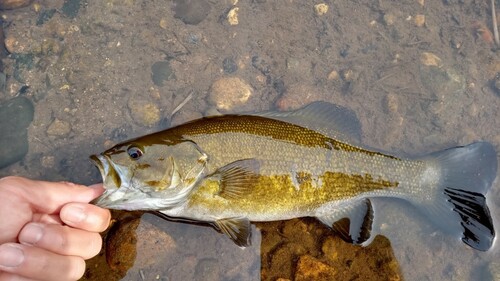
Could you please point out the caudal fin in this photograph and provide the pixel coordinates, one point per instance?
(467, 174)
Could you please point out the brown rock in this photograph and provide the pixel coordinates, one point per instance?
(144, 112)
(229, 93)
(310, 268)
(59, 128)
(13, 4)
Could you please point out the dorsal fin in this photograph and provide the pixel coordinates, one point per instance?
(333, 120)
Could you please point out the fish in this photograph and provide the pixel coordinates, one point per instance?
(231, 170)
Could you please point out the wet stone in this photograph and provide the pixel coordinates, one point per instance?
(207, 270)
(441, 80)
(496, 84)
(59, 128)
(143, 112)
(45, 16)
(161, 72)
(309, 268)
(13, 4)
(15, 117)
(191, 11)
(229, 65)
(70, 8)
(229, 93)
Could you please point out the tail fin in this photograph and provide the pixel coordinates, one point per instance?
(466, 176)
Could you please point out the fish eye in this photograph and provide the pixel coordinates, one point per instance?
(134, 152)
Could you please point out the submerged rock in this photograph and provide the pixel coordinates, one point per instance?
(229, 93)
(15, 117)
(191, 11)
(13, 4)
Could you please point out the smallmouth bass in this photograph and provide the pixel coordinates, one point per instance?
(233, 169)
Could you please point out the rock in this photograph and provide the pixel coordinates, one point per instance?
(419, 20)
(441, 81)
(70, 8)
(207, 270)
(229, 65)
(229, 93)
(321, 9)
(143, 112)
(15, 117)
(59, 128)
(297, 96)
(121, 243)
(48, 161)
(389, 19)
(13, 4)
(191, 11)
(232, 16)
(149, 237)
(430, 59)
(310, 269)
(161, 72)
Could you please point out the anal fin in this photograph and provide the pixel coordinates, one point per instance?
(352, 222)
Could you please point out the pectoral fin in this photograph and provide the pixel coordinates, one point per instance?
(352, 222)
(237, 178)
(238, 229)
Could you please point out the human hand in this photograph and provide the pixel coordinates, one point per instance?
(48, 229)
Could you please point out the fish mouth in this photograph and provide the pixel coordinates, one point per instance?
(111, 181)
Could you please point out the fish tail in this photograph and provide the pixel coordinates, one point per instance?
(460, 208)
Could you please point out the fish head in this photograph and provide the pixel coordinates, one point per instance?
(149, 175)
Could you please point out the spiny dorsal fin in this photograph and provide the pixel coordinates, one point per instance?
(237, 178)
(238, 229)
(330, 119)
(353, 223)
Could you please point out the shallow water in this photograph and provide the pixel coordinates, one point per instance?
(113, 70)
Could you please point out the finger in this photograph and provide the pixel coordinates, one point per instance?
(48, 197)
(40, 264)
(85, 216)
(48, 219)
(61, 240)
(5, 276)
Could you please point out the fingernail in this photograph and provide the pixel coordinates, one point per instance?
(10, 256)
(31, 233)
(73, 214)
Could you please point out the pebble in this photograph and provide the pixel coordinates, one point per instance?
(296, 96)
(442, 81)
(48, 161)
(496, 84)
(232, 16)
(229, 65)
(59, 128)
(321, 9)
(430, 59)
(143, 112)
(333, 75)
(310, 268)
(389, 19)
(229, 93)
(191, 11)
(15, 117)
(13, 4)
(161, 72)
(419, 20)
